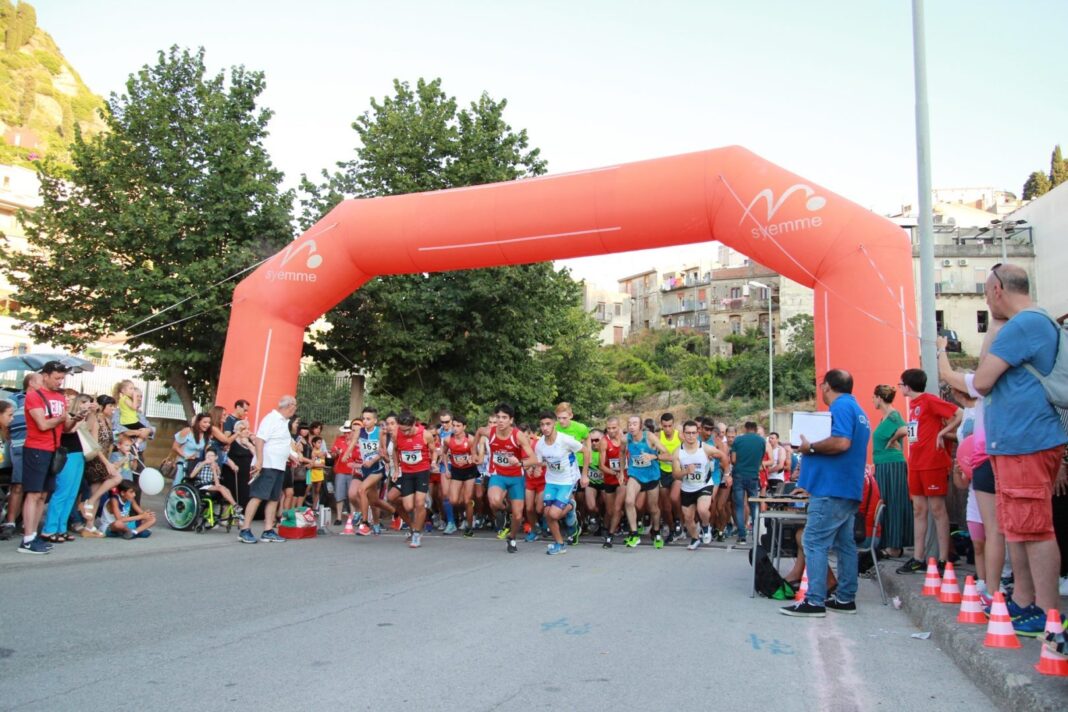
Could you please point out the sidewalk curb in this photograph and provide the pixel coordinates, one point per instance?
(1008, 677)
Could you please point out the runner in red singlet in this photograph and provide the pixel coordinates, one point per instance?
(613, 464)
(535, 488)
(509, 451)
(415, 456)
(463, 463)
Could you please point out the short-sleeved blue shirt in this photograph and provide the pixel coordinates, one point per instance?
(840, 475)
(1018, 417)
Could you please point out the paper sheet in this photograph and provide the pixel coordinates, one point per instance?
(814, 426)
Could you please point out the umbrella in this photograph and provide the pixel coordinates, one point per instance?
(34, 362)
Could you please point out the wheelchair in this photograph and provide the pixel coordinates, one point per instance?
(190, 508)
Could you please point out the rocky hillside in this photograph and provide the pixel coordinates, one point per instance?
(42, 98)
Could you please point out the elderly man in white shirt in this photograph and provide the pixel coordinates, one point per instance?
(273, 449)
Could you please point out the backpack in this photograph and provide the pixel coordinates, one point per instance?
(1055, 383)
(769, 583)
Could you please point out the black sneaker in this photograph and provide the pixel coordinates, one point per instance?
(912, 566)
(833, 604)
(512, 548)
(804, 609)
(941, 569)
(607, 543)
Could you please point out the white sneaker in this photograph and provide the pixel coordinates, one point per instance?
(416, 541)
(1064, 586)
(706, 536)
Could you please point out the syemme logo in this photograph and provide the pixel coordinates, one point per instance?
(313, 261)
(813, 203)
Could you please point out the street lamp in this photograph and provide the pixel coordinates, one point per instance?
(771, 363)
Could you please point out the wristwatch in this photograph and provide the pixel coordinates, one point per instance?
(811, 449)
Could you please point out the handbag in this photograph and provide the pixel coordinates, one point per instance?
(168, 466)
(59, 455)
(90, 445)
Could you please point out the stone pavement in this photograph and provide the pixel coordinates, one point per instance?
(1007, 676)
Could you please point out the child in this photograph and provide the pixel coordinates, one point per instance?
(123, 456)
(128, 398)
(317, 473)
(205, 477)
(124, 517)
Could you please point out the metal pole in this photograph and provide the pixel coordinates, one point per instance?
(771, 368)
(928, 357)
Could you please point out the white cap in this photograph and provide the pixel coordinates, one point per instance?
(346, 427)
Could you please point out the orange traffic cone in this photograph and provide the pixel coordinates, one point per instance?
(971, 608)
(933, 582)
(950, 590)
(348, 531)
(800, 595)
(999, 632)
(1049, 662)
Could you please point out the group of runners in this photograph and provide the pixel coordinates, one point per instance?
(552, 479)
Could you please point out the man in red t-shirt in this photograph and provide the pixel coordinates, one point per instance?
(930, 420)
(46, 417)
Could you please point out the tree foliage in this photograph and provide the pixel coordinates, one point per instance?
(1039, 182)
(465, 339)
(178, 194)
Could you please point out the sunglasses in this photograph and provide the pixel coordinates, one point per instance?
(595, 440)
(994, 271)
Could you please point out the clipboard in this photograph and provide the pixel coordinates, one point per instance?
(814, 426)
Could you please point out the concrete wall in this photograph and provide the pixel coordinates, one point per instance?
(1048, 217)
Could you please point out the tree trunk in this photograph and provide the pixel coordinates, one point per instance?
(180, 385)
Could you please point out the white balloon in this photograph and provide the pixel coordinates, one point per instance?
(151, 481)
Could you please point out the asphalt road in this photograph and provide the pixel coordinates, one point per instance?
(185, 621)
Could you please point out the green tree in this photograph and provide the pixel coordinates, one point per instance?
(1037, 185)
(578, 367)
(458, 339)
(1058, 168)
(178, 194)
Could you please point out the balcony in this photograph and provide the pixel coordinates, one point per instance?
(683, 306)
(744, 304)
(689, 283)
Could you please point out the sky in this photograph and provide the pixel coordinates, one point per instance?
(823, 89)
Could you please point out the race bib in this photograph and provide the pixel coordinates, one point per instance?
(613, 464)
(698, 474)
(461, 460)
(638, 461)
(502, 458)
(411, 457)
(368, 448)
(556, 467)
(914, 430)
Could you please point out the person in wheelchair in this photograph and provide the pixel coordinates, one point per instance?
(205, 477)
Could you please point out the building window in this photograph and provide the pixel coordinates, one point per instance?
(617, 309)
(982, 321)
(736, 324)
(736, 292)
(939, 320)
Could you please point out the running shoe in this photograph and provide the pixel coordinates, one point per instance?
(607, 543)
(742, 541)
(678, 531)
(376, 528)
(658, 542)
(912, 566)
(450, 528)
(571, 520)
(554, 549)
(670, 537)
(526, 527)
(503, 533)
(7, 530)
(721, 535)
(33, 547)
(632, 541)
(1031, 622)
(706, 535)
(641, 530)
(245, 537)
(469, 533)
(694, 543)
(531, 536)
(573, 536)
(363, 529)
(416, 542)
(512, 548)
(271, 536)
(395, 523)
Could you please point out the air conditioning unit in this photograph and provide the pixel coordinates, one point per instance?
(947, 263)
(962, 263)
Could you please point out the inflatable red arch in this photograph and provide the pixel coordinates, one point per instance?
(859, 264)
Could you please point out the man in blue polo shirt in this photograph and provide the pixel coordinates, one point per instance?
(832, 472)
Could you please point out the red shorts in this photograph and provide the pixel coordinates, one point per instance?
(763, 476)
(535, 485)
(435, 478)
(929, 483)
(1025, 493)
